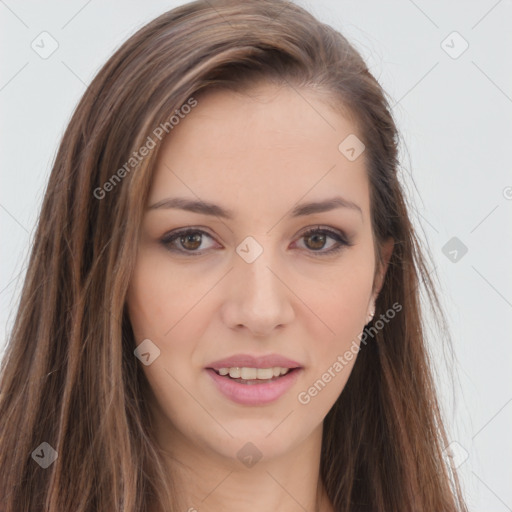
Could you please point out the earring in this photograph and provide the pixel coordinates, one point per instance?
(372, 314)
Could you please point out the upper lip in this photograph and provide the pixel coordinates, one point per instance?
(248, 361)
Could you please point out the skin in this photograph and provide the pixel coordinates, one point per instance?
(258, 153)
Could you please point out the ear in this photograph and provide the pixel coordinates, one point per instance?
(380, 274)
(386, 252)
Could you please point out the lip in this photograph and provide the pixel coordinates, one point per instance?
(254, 394)
(248, 361)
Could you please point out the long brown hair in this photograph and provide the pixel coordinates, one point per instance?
(69, 377)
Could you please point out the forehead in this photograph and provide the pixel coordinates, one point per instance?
(266, 146)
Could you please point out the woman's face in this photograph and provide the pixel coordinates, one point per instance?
(248, 282)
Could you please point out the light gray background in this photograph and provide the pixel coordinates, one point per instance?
(455, 117)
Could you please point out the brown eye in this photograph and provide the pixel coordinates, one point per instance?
(190, 242)
(186, 241)
(318, 240)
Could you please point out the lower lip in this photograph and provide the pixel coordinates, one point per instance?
(254, 394)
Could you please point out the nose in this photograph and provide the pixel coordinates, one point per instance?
(259, 298)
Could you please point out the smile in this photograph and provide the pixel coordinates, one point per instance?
(248, 375)
(253, 386)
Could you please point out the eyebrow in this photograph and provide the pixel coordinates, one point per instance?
(207, 208)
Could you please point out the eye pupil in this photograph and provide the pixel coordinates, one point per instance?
(317, 236)
(195, 236)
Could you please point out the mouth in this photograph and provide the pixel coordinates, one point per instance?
(254, 380)
(253, 376)
(253, 386)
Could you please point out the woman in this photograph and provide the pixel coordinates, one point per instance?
(221, 308)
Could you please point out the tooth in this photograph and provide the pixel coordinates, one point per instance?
(234, 373)
(249, 373)
(265, 373)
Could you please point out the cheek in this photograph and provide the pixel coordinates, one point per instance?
(161, 297)
(160, 306)
(164, 305)
(340, 303)
(333, 354)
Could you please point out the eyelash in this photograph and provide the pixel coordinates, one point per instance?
(340, 238)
